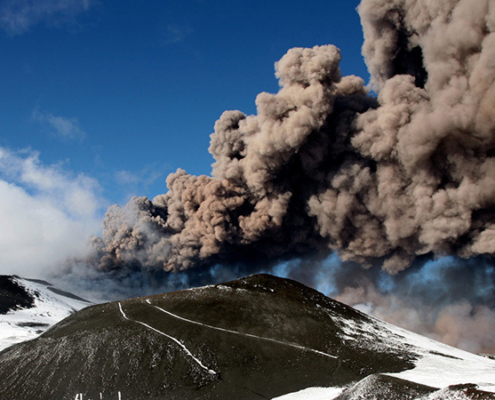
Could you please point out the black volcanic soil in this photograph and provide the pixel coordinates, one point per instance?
(13, 296)
(269, 326)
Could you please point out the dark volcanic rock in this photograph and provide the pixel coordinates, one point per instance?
(254, 338)
(13, 296)
(460, 392)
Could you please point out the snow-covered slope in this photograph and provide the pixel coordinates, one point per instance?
(451, 373)
(29, 307)
(441, 365)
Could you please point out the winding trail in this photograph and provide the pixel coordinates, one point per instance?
(243, 334)
(184, 348)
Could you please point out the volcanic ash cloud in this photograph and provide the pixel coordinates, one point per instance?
(324, 166)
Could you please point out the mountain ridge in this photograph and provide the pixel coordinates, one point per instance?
(28, 307)
(252, 338)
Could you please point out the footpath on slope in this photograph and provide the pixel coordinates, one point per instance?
(182, 346)
(296, 346)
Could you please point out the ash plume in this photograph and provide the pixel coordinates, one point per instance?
(449, 299)
(326, 167)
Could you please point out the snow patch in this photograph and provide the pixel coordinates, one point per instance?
(49, 308)
(315, 393)
(441, 365)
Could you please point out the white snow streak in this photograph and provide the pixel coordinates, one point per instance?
(123, 313)
(184, 348)
(314, 393)
(243, 334)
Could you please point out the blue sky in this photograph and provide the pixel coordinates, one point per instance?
(125, 92)
(101, 99)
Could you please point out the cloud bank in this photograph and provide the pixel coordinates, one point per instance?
(47, 215)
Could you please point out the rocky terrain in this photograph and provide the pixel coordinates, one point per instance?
(259, 337)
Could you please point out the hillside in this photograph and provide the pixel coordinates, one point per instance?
(28, 307)
(255, 338)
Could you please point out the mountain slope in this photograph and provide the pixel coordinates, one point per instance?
(254, 338)
(28, 307)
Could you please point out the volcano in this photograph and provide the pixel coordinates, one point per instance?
(259, 337)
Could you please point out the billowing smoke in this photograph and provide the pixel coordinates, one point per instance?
(263, 198)
(324, 166)
(448, 299)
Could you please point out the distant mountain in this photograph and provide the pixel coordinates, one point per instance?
(255, 338)
(28, 307)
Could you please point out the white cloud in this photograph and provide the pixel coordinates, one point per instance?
(134, 183)
(65, 128)
(145, 177)
(176, 34)
(46, 214)
(18, 16)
